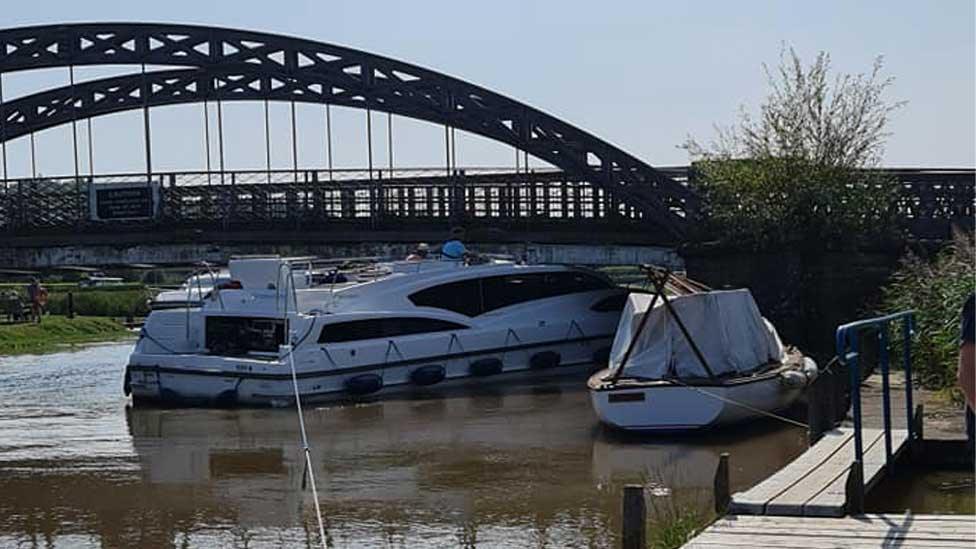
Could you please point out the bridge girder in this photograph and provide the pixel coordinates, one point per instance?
(229, 64)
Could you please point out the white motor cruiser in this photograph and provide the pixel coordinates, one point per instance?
(402, 325)
(693, 360)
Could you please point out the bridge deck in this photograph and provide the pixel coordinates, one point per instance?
(813, 484)
(906, 531)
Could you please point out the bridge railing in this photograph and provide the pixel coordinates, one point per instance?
(309, 197)
(931, 201)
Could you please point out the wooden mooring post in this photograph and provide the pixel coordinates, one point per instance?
(825, 403)
(721, 485)
(634, 517)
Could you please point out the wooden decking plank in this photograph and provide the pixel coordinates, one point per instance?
(817, 543)
(899, 442)
(714, 542)
(864, 531)
(793, 500)
(814, 483)
(755, 499)
(965, 524)
(832, 498)
(867, 518)
(852, 532)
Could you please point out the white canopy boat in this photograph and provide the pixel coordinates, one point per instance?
(399, 325)
(695, 360)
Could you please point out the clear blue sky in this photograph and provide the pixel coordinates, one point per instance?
(642, 75)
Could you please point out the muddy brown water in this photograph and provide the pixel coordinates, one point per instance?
(526, 465)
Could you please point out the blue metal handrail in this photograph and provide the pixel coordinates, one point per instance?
(848, 353)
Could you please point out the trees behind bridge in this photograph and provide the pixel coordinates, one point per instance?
(796, 172)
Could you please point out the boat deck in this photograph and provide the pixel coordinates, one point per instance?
(814, 483)
(896, 530)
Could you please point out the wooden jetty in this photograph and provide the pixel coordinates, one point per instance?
(815, 484)
(891, 530)
(809, 503)
(817, 500)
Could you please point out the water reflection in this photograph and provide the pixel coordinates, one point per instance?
(524, 466)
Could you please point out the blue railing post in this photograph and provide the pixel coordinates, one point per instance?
(907, 327)
(885, 390)
(855, 372)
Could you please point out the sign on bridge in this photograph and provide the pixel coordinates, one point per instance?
(117, 201)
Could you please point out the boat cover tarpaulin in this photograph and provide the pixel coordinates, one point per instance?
(726, 325)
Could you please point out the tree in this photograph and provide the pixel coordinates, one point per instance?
(796, 171)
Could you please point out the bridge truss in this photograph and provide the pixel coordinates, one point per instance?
(593, 179)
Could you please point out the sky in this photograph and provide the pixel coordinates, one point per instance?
(642, 75)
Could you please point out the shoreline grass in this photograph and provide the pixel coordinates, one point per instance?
(122, 300)
(55, 332)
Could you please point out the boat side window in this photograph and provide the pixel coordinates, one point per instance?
(463, 297)
(571, 282)
(610, 304)
(377, 328)
(503, 291)
(477, 296)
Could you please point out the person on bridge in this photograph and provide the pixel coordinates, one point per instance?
(454, 249)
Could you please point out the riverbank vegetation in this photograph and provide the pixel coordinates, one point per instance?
(123, 300)
(675, 527)
(56, 331)
(936, 289)
(795, 173)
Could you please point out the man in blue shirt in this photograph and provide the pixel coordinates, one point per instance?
(454, 249)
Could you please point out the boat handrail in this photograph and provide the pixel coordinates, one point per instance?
(289, 284)
(214, 285)
(189, 292)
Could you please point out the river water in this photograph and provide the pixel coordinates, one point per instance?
(521, 466)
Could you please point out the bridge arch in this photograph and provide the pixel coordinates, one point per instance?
(228, 64)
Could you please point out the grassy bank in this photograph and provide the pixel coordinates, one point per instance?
(55, 331)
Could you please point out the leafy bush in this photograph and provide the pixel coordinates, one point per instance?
(771, 201)
(797, 171)
(119, 303)
(937, 290)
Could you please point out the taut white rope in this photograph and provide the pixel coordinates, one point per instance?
(308, 456)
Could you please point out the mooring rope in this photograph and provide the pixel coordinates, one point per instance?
(305, 448)
(301, 415)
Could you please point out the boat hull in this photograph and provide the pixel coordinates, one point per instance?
(224, 383)
(664, 406)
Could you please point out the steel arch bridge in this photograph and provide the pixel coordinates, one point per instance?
(220, 64)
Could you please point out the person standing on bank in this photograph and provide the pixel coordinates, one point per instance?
(34, 294)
